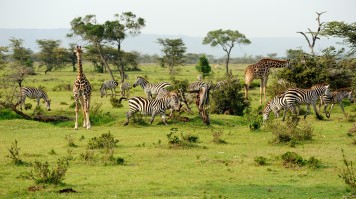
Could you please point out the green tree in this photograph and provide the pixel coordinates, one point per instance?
(203, 66)
(173, 50)
(227, 39)
(21, 55)
(52, 55)
(116, 32)
(89, 30)
(3, 56)
(341, 30)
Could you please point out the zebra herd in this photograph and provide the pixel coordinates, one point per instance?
(294, 97)
(165, 99)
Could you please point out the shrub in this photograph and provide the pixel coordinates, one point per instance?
(314, 163)
(291, 131)
(203, 66)
(254, 118)
(229, 99)
(14, 154)
(115, 102)
(42, 173)
(183, 142)
(217, 137)
(106, 140)
(28, 106)
(70, 141)
(98, 116)
(348, 174)
(292, 159)
(261, 161)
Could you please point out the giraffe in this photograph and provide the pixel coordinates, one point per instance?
(261, 70)
(82, 92)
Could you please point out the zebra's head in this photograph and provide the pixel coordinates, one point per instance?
(266, 111)
(321, 89)
(48, 104)
(350, 97)
(140, 81)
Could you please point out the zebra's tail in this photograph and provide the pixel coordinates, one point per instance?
(121, 98)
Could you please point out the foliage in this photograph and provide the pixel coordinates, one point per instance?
(261, 161)
(51, 55)
(3, 56)
(22, 57)
(106, 140)
(8, 114)
(291, 131)
(184, 141)
(228, 99)
(115, 102)
(14, 154)
(98, 116)
(348, 174)
(173, 50)
(341, 30)
(227, 40)
(203, 66)
(70, 141)
(217, 137)
(308, 70)
(254, 118)
(42, 173)
(292, 159)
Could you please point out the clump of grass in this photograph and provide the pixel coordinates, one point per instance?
(70, 141)
(217, 137)
(115, 102)
(62, 87)
(15, 155)
(183, 141)
(88, 156)
(42, 173)
(98, 116)
(348, 174)
(38, 111)
(291, 131)
(293, 160)
(106, 140)
(261, 161)
(63, 103)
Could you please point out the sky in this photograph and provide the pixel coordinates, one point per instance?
(253, 18)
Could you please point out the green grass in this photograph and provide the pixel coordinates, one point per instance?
(154, 170)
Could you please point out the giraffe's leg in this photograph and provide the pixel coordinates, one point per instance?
(76, 112)
(261, 90)
(83, 110)
(264, 88)
(87, 110)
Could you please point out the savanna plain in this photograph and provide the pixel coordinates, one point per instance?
(146, 165)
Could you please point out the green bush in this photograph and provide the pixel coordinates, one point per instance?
(254, 118)
(15, 155)
(228, 99)
(115, 102)
(106, 140)
(261, 161)
(184, 141)
(42, 173)
(348, 174)
(203, 66)
(292, 159)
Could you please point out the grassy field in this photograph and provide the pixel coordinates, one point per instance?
(153, 169)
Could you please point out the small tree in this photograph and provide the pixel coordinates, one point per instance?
(3, 57)
(342, 30)
(227, 40)
(22, 57)
(173, 50)
(203, 66)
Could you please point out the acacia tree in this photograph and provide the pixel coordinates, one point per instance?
(173, 50)
(227, 39)
(51, 54)
(117, 31)
(89, 30)
(3, 57)
(314, 34)
(342, 30)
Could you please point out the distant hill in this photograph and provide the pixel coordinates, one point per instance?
(147, 43)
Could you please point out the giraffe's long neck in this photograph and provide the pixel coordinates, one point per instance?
(80, 66)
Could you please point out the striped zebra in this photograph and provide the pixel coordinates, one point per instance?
(152, 106)
(125, 89)
(111, 84)
(149, 88)
(295, 96)
(34, 93)
(334, 98)
(275, 105)
(196, 86)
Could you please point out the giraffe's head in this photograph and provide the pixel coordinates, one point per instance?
(78, 50)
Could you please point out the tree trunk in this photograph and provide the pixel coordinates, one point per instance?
(105, 63)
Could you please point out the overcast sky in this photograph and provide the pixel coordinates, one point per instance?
(254, 18)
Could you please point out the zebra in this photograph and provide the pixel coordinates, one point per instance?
(295, 96)
(150, 89)
(34, 93)
(336, 97)
(276, 104)
(196, 86)
(152, 106)
(111, 84)
(125, 89)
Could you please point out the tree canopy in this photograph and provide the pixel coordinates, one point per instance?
(173, 50)
(341, 30)
(227, 39)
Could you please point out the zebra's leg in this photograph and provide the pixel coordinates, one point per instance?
(284, 113)
(22, 102)
(128, 115)
(327, 114)
(164, 118)
(341, 106)
(153, 117)
(38, 101)
(308, 110)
